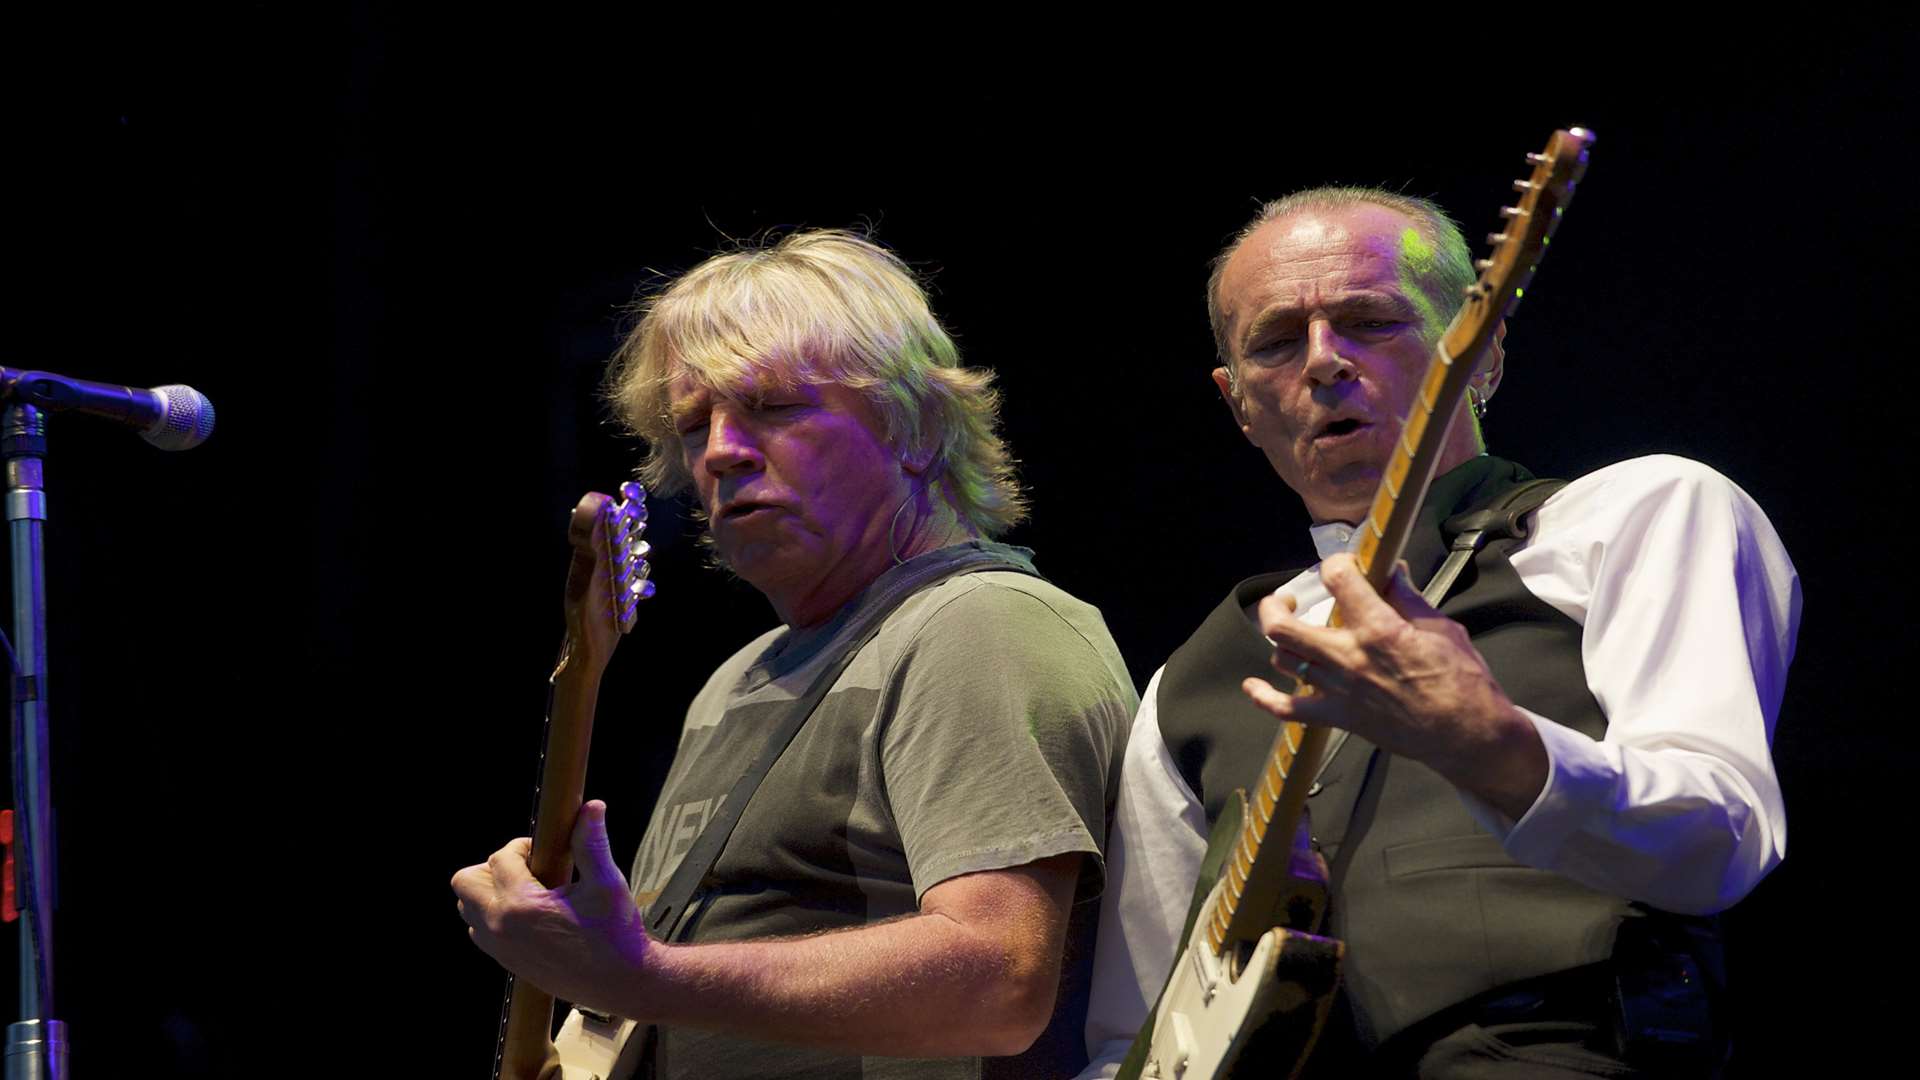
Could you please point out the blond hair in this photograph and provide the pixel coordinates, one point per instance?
(819, 307)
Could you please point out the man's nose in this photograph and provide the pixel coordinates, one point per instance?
(731, 446)
(1327, 362)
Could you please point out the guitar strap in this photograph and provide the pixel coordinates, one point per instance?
(666, 916)
(1506, 519)
(669, 908)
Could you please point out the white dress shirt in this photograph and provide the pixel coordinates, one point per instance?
(1688, 606)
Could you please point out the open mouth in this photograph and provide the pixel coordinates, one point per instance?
(743, 509)
(1340, 428)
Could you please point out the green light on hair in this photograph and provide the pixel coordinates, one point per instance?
(1415, 253)
(1418, 260)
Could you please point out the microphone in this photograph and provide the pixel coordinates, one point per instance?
(169, 417)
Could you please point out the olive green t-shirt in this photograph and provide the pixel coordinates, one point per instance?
(981, 728)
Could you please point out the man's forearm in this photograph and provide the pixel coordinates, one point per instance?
(1505, 766)
(974, 973)
(921, 986)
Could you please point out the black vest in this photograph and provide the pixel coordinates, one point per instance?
(1432, 909)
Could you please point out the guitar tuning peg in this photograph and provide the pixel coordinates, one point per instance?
(1523, 185)
(1511, 212)
(1538, 159)
(1483, 265)
(639, 548)
(1496, 238)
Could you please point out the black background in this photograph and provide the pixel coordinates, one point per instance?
(298, 673)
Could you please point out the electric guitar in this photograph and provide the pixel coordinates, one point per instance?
(1253, 984)
(606, 581)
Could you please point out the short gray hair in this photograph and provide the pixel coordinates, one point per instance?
(1451, 272)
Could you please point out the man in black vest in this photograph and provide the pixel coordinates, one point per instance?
(1545, 779)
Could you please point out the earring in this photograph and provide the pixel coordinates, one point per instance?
(1478, 404)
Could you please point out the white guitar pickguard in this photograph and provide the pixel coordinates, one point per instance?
(590, 1048)
(1208, 1013)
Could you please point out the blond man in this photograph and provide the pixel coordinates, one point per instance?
(899, 892)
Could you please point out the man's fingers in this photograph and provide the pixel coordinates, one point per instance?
(472, 902)
(1275, 612)
(592, 851)
(1360, 607)
(1327, 652)
(1282, 627)
(1265, 696)
(1303, 709)
(1405, 599)
(509, 865)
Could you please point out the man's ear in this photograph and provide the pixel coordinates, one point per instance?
(915, 460)
(1487, 379)
(1224, 380)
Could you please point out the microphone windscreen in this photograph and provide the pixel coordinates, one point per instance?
(186, 420)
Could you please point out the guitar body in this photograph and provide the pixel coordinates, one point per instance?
(591, 1048)
(1263, 1006)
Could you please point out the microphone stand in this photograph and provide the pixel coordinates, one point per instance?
(36, 1046)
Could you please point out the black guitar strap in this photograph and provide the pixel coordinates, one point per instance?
(668, 910)
(1506, 519)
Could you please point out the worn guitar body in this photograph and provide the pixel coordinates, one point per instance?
(592, 1048)
(1262, 1005)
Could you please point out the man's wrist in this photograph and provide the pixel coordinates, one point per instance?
(1508, 769)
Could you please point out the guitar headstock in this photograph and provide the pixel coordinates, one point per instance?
(626, 554)
(1522, 240)
(609, 575)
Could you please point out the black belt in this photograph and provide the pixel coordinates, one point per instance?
(1659, 1021)
(1586, 995)
(1582, 995)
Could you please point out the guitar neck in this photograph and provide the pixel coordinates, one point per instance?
(563, 768)
(1246, 908)
(1255, 886)
(522, 1048)
(606, 581)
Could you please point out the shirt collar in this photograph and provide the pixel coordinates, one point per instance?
(1333, 538)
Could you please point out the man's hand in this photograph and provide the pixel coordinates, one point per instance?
(974, 973)
(584, 942)
(1404, 677)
